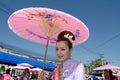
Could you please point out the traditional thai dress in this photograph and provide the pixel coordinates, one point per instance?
(72, 70)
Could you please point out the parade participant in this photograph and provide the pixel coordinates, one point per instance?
(68, 69)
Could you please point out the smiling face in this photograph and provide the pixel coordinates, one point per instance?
(63, 52)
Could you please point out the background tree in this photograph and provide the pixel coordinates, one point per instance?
(93, 64)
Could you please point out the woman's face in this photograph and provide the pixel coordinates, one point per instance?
(106, 73)
(63, 52)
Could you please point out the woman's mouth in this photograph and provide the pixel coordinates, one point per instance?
(60, 57)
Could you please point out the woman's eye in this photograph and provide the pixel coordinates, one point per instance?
(56, 49)
(62, 49)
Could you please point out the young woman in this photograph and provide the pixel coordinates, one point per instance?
(109, 75)
(68, 69)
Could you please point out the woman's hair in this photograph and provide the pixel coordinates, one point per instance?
(66, 36)
(111, 74)
(8, 71)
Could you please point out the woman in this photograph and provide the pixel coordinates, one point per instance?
(68, 69)
(108, 75)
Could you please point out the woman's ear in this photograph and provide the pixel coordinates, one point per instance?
(71, 51)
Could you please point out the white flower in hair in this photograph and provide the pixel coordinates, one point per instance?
(69, 37)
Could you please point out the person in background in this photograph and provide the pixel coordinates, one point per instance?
(2, 69)
(33, 76)
(25, 75)
(1, 77)
(43, 75)
(68, 69)
(7, 75)
(108, 75)
(13, 73)
(93, 77)
(36, 76)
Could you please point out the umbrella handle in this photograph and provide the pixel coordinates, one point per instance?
(45, 55)
(44, 61)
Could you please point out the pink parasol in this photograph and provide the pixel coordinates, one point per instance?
(20, 67)
(107, 66)
(43, 25)
(37, 24)
(117, 75)
(35, 70)
(25, 65)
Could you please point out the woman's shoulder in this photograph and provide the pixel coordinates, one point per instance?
(80, 67)
(78, 63)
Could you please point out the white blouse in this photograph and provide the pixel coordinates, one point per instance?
(77, 74)
(73, 70)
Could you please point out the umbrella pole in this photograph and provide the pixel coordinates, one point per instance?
(44, 61)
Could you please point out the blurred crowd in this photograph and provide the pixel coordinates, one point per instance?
(6, 73)
(107, 75)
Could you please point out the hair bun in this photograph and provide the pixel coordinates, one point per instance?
(66, 34)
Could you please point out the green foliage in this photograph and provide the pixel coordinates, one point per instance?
(93, 64)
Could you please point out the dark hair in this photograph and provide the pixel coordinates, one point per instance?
(8, 71)
(62, 38)
(111, 74)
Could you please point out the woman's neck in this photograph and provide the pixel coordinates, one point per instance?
(65, 61)
(108, 77)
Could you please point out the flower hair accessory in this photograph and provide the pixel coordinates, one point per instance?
(69, 37)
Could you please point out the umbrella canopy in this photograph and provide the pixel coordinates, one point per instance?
(25, 65)
(20, 67)
(107, 66)
(35, 70)
(117, 75)
(37, 24)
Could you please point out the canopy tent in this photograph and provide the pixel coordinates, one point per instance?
(14, 59)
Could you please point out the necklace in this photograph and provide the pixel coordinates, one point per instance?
(60, 71)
